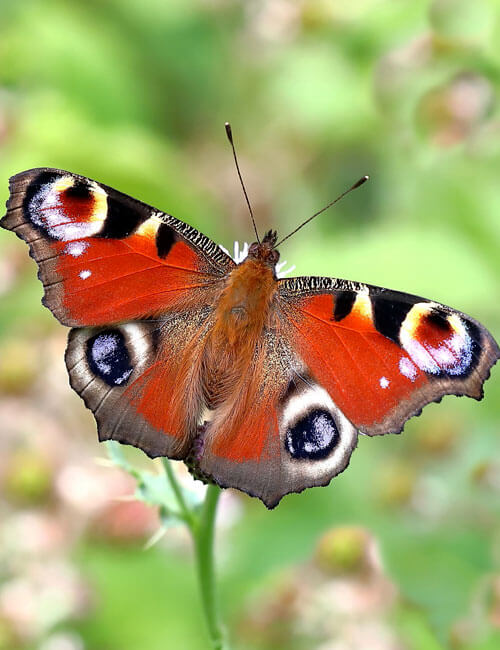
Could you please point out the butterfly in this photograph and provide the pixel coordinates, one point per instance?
(257, 383)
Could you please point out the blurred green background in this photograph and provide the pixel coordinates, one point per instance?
(135, 93)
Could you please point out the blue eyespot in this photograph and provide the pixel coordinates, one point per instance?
(109, 358)
(313, 437)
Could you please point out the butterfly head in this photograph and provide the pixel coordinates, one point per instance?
(265, 251)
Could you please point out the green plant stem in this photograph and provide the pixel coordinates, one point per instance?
(185, 512)
(203, 537)
(201, 524)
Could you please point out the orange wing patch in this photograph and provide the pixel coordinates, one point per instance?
(114, 280)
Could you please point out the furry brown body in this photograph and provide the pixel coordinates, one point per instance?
(242, 312)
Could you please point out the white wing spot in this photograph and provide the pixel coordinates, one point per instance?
(421, 356)
(76, 248)
(85, 274)
(384, 382)
(407, 368)
(45, 210)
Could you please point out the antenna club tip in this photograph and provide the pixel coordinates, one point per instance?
(229, 132)
(362, 180)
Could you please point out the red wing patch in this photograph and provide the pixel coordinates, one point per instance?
(114, 280)
(358, 366)
(253, 438)
(105, 257)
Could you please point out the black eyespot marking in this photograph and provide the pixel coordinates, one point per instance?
(313, 437)
(79, 191)
(344, 303)
(476, 341)
(470, 354)
(165, 239)
(123, 217)
(389, 315)
(109, 358)
(439, 319)
(33, 198)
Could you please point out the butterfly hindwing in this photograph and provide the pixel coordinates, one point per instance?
(382, 355)
(129, 376)
(105, 257)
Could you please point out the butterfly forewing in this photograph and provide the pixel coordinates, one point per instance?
(105, 257)
(382, 355)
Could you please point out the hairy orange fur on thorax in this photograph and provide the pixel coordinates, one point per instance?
(244, 308)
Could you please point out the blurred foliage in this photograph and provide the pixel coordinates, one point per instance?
(319, 92)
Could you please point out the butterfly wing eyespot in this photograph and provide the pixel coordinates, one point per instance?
(104, 257)
(382, 355)
(108, 357)
(313, 436)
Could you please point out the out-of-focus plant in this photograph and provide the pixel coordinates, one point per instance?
(341, 599)
(178, 504)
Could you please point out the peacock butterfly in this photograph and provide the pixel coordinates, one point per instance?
(259, 383)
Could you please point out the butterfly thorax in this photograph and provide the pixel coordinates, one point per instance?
(244, 304)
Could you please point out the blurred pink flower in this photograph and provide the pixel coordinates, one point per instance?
(125, 522)
(31, 533)
(46, 594)
(341, 600)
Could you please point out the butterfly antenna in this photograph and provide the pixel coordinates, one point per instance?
(229, 134)
(353, 187)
